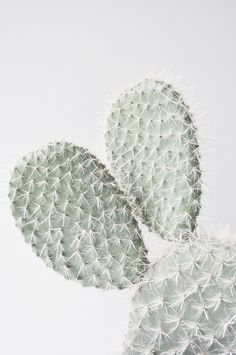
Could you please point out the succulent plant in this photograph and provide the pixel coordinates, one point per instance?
(84, 224)
(72, 213)
(187, 304)
(154, 153)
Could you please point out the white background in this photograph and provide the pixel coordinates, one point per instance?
(60, 64)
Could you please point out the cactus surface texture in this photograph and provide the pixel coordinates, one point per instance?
(72, 213)
(154, 154)
(187, 305)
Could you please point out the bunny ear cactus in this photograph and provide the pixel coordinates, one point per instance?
(154, 153)
(76, 218)
(72, 213)
(187, 304)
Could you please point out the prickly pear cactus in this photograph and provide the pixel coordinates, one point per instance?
(79, 222)
(75, 218)
(187, 305)
(154, 155)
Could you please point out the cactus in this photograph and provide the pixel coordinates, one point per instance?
(187, 304)
(154, 154)
(72, 213)
(76, 218)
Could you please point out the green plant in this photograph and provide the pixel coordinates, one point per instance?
(82, 222)
(72, 213)
(187, 304)
(154, 154)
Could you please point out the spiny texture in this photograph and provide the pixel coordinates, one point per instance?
(187, 305)
(70, 210)
(154, 154)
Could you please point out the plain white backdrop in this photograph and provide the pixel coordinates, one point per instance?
(61, 62)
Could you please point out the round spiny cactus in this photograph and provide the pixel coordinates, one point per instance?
(187, 304)
(154, 154)
(72, 213)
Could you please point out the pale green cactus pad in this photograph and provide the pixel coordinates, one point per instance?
(154, 155)
(75, 218)
(187, 305)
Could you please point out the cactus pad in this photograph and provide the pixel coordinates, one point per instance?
(187, 305)
(72, 213)
(154, 155)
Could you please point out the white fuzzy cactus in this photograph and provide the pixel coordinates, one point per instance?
(154, 153)
(187, 304)
(72, 213)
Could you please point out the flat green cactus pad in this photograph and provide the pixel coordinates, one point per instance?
(72, 213)
(154, 155)
(187, 305)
